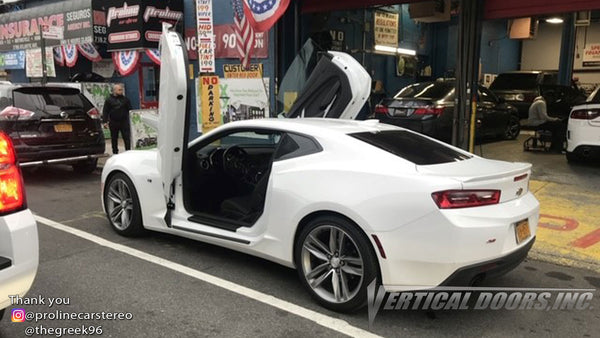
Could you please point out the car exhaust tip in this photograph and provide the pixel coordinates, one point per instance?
(586, 152)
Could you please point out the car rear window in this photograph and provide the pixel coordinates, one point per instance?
(524, 81)
(426, 90)
(412, 147)
(49, 99)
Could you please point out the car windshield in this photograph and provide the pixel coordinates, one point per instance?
(515, 81)
(412, 147)
(426, 90)
(51, 100)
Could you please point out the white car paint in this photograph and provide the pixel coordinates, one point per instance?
(583, 135)
(381, 193)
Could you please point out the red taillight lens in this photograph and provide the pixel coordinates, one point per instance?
(94, 113)
(13, 113)
(11, 181)
(429, 111)
(453, 199)
(381, 109)
(586, 114)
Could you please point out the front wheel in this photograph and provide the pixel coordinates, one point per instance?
(123, 206)
(336, 263)
(513, 128)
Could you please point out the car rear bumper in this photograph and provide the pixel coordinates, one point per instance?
(66, 153)
(427, 252)
(19, 246)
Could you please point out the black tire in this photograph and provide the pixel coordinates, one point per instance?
(513, 128)
(344, 267)
(86, 166)
(573, 157)
(119, 187)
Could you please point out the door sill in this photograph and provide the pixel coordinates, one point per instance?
(218, 222)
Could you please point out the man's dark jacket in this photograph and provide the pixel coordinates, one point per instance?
(116, 109)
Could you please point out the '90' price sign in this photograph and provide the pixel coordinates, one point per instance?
(206, 39)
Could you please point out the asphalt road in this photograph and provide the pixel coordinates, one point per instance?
(165, 302)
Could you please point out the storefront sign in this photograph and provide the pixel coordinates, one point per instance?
(191, 43)
(244, 99)
(210, 112)
(591, 55)
(206, 38)
(136, 24)
(237, 71)
(22, 29)
(226, 43)
(386, 28)
(338, 40)
(33, 63)
(99, 19)
(12, 60)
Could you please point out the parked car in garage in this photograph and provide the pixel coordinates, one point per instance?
(51, 124)
(18, 230)
(560, 100)
(520, 88)
(583, 131)
(343, 202)
(428, 108)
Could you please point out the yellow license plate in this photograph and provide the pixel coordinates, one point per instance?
(63, 128)
(522, 231)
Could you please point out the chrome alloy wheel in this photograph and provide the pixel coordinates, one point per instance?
(119, 204)
(332, 264)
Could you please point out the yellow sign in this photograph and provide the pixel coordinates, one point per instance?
(211, 102)
(237, 71)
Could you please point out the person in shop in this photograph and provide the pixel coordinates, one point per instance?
(116, 115)
(538, 118)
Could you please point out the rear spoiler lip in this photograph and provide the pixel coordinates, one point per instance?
(521, 169)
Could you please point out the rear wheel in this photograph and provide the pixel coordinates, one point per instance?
(513, 128)
(572, 157)
(123, 206)
(86, 166)
(336, 263)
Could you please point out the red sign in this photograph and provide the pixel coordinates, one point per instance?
(226, 43)
(191, 43)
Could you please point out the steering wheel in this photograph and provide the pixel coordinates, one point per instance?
(235, 162)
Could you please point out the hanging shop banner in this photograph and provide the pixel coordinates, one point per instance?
(137, 24)
(12, 60)
(70, 54)
(591, 55)
(22, 29)
(59, 57)
(386, 27)
(237, 71)
(99, 20)
(126, 61)
(210, 111)
(226, 43)
(33, 63)
(89, 52)
(206, 38)
(244, 99)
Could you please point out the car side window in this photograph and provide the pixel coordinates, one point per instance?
(294, 145)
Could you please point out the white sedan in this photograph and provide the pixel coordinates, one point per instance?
(343, 202)
(583, 132)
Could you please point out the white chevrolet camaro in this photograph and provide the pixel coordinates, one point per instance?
(344, 202)
(583, 132)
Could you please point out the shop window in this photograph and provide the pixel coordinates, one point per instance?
(149, 84)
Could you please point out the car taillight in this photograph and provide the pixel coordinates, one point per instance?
(381, 109)
(12, 196)
(94, 113)
(13, 113)
(429, 111)
(585, 114)
(453, 199)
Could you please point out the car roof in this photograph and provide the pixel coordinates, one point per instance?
(315, 126)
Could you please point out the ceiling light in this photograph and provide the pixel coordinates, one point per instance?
(554, 20)
(407, 51)
(386, 49)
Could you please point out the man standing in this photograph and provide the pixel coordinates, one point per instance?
(116, 114)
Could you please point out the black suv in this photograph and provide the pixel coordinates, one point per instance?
(520, 88)
(51, 124)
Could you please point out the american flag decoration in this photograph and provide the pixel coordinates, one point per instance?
(126, 61)
(71, 55)
(263, 14)
(58, 56)
(89, 51)
(243, 32)
(154, 55)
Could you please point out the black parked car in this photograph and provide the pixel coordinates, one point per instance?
(428, 107)
(51, 124)
(520, 88)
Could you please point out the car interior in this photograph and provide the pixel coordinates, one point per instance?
(226, 177)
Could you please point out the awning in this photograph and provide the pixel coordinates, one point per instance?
(21, 29)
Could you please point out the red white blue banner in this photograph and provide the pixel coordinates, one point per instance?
(126, 61)
(263, 14)
(89, 51)
(154, 55)
(59, 58)
(71, 55)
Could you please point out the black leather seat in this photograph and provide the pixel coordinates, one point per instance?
(247, 208)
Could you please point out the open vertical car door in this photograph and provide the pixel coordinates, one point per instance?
(338, 87)
(172, 110)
